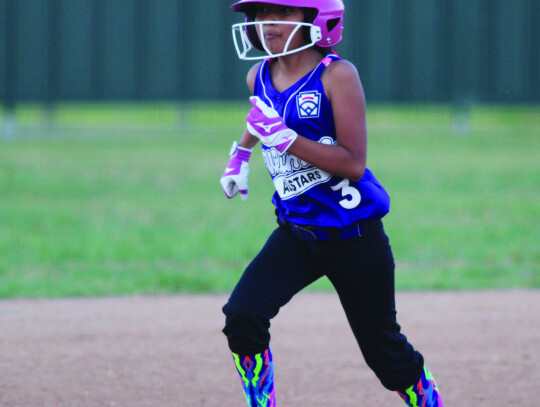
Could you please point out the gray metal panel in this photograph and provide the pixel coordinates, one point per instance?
(164, 50)
(235, 70)
(466, 50)
(512, 50)
(424, 43)
(380, 72)
(119, 59)
(532, 39)
(31, 64)
(3, 48)
(356, 43)
(204, 52)
(416, 50)
(76, 49)
(534, 49)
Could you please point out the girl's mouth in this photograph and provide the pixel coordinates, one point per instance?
(271, 35)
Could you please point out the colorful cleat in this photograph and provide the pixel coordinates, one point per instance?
(257, 374)
(424, 393)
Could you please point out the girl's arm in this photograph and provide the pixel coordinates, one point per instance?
(347, 159)
(247, 140)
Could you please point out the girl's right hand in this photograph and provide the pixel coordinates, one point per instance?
(234, 180)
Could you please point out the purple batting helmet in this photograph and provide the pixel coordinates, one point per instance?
(327, 23)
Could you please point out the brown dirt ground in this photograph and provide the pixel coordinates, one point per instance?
(483, 347)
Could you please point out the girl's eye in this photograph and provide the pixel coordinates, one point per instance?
(286, 9)
(261, 10)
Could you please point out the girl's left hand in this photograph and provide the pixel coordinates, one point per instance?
(265, 123)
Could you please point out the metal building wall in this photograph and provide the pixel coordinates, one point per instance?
(405, 50)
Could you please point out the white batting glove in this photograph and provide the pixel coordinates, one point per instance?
(265, 123)
(234, 180)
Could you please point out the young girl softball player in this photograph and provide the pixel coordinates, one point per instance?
(309, 114)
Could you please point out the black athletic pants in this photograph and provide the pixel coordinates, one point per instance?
(362, 272)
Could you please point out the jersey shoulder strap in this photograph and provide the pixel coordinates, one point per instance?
(327, 60)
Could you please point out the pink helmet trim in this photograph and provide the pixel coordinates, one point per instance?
(329, 16)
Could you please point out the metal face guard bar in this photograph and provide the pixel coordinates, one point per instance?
(243, 44)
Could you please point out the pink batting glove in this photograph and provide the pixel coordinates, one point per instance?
(234, 180)
(265, 123)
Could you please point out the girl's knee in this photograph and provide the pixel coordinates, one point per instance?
(247, 331)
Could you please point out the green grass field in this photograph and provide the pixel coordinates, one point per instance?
(117, 199)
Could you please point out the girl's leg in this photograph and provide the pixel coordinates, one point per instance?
(423, 393)
(257, 375)
(280, 270)
(363, 275)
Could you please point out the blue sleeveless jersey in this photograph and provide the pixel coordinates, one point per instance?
(306, 195)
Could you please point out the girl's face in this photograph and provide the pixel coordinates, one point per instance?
(276, 35)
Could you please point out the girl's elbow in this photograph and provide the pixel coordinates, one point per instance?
(357, 172)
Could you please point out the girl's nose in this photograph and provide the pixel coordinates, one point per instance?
(272, 15)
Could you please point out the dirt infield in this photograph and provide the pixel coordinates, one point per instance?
(484, 348)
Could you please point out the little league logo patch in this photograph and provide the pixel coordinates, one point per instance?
(308, 104)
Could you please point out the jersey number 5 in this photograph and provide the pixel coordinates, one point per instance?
(352, 196)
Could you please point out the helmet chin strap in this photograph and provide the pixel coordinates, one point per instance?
(243, 45)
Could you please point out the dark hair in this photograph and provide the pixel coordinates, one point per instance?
(310, 14)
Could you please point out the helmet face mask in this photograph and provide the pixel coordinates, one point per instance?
(323, 26)
(244, 44)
